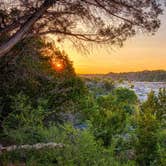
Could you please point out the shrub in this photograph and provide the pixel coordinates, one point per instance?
(80, 148)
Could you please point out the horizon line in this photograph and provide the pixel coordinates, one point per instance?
(121, 72)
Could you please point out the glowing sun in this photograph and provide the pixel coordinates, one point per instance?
(57, 65)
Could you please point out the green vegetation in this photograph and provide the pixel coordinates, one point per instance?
(97, 123)
(151, 123)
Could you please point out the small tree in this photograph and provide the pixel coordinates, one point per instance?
(150, 123)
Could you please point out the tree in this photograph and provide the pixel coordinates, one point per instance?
(32, 69)
(150, 125)
(126, 96)
(110, 119)
(101, 21)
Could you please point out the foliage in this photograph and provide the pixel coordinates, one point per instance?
(150, 123)
(23, 125)
(122, 98)
(99, 86)
(112, 135)
(107, 124)
(80, 148)
(31, 69)
(111, 118)
(119, 20)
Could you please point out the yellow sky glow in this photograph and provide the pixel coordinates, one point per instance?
(139, 53)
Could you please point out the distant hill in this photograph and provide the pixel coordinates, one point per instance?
(156, 75)
(151, 76)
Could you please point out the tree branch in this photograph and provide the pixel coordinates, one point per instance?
(14, 24)
(7, 46)
(85, 37)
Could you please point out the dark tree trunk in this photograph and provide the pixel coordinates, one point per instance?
(22, 32)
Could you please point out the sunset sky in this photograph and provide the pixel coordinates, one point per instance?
(142, 52)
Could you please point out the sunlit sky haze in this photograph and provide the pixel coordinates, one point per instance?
(142, 52)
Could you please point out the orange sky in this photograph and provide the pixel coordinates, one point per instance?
(142, 52)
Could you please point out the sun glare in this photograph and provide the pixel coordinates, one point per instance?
(57, 65)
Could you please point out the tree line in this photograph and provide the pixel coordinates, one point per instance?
(156, 75)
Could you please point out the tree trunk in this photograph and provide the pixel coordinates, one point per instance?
(37, 146)
(18, 36)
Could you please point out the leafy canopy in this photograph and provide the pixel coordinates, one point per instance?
(101, 21)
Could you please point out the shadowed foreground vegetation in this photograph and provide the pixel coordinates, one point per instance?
(100, 127)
